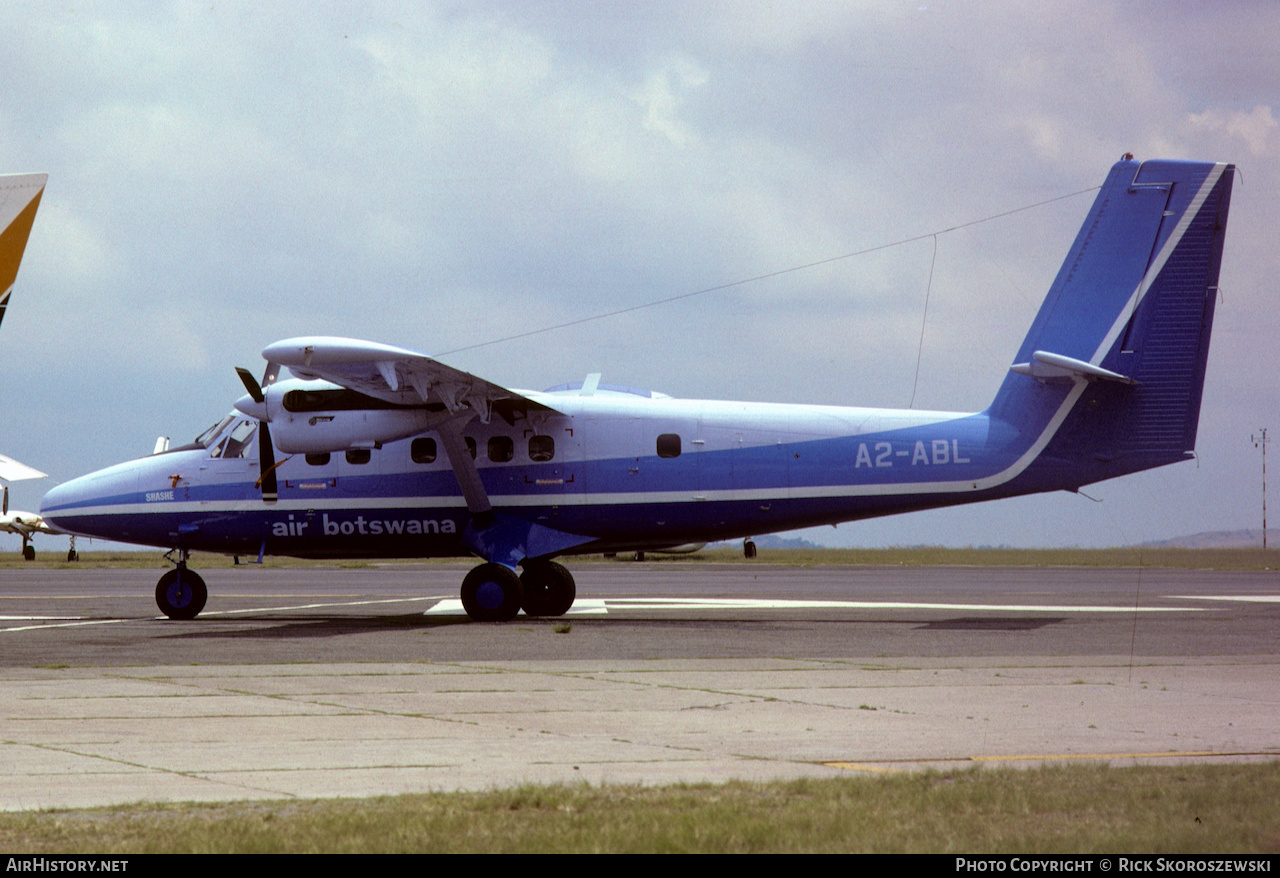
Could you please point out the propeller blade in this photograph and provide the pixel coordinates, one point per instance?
(6, 501)
(267, 461)
(250, 384)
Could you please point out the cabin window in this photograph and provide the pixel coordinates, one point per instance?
(501, 449)
(358, 455)
(471, 446)
(541, 448)
(423, 450)
(321, 459)
(669, 445)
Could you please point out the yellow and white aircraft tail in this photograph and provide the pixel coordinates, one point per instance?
(19, 199)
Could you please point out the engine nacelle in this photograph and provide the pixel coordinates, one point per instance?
(312, 417)
(316, 432)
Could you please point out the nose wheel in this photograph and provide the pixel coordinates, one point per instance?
(181, 593)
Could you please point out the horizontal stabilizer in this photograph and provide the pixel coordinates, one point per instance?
(1045, 366)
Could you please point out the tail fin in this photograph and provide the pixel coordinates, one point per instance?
(1111, 374)
(19, 198)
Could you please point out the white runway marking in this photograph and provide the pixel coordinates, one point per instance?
(78, 621)
(315, 606)
(603, 606)
(63, 624)
(453, 606)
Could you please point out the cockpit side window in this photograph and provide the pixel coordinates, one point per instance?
(238, 442)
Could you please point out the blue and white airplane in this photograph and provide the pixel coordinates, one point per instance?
(394, 454)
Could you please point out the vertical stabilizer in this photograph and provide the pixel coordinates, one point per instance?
(19, 199)
(1117, 354)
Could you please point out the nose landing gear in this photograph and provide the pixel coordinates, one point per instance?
(181, 593)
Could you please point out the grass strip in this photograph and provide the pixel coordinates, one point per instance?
(1054, 809)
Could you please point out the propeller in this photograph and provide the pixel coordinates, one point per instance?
(5, 511)
(266, 451)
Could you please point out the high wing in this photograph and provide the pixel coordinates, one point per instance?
(396, 375)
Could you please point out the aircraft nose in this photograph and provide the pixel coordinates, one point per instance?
(54, 497)
(247, 406)
(62, 497)
(75, 504)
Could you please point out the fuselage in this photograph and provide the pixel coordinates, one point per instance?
(621, 470)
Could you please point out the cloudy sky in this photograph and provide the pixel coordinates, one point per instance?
(442, 175)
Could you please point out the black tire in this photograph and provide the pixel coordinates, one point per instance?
(749, 549)
(73, 555)
(28, 553)
(639, 556)
(549, 589)
(492, 593)
(181, 594)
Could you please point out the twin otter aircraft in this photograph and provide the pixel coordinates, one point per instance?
(393, 454)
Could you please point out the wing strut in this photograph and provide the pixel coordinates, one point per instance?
(464, 467)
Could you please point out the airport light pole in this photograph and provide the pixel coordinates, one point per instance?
(1261, 442)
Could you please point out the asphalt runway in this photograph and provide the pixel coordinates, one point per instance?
(365, 680)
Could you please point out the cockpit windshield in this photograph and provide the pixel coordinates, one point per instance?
(205, 439)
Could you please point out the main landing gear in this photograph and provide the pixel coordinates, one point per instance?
(549, 589)
(494, 593)
(181, 593)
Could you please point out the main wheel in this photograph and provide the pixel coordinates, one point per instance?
(181, 594)
(549, 589)
(28, 553)
(492, 593)
(749, 548)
